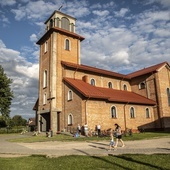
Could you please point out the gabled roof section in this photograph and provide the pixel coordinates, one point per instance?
(118, 96)
(151, 69)
(94, 70)
(60, 30)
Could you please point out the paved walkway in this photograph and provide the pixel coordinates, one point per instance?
(57, 148)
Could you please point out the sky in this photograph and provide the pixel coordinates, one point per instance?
(120, 35)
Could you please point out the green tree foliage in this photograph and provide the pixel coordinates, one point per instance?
(19, 121)
(6, 94)
(2, 122)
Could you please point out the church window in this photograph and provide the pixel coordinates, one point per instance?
(92, 82)
(70, 119)
(67, 44)
(147, 113)
(132, 112)
(45, 47)
(44, 98)
(113, 112)
(45, 79)
(142, 85)
(72, 27)
(51, 23)
(110, 85)
(65, 23)
(124, 87)
(168, 95)
(70, 95)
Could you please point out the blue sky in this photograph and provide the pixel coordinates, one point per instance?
(120, 35)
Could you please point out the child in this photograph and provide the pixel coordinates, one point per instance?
(111, 145)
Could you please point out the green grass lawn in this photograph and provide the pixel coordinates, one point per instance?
(62, 137)
(121, 162)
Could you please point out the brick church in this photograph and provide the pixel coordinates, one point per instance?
(71, 93)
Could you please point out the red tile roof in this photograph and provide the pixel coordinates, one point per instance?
(109, 94)
(151, 69)
(93, 70)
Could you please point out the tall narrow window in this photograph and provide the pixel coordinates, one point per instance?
(113, 112)
(92, 82)
(70, 119)
(67, 44)
(51, 23)
(44, 98)
(45, 47)
(147, 113)
(57, 22)
(132, 112)
(124, 87)
(70, 95)
(72, 27)
(110, 85)
(65, 23)
(45, 79)
(168, 95)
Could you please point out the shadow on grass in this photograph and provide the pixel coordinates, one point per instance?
(126, 158)
(104, 160)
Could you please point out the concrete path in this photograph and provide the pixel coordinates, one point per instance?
(57, 148)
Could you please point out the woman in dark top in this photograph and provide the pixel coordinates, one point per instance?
(118, 133)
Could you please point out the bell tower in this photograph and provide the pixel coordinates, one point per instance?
(59, 43)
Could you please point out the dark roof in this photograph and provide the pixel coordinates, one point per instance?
(118, 96)
(151, 69)
(93, 70)
(60, 30)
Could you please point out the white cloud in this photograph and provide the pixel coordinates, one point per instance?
(101, 13)
(33, 38)
(122, 12)
(7, 2)
(25, 80)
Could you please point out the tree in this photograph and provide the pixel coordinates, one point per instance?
(6, 94)
(19, 121)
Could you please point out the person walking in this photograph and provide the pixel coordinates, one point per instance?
(118, 135)
(112, 143)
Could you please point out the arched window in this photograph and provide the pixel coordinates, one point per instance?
(110, 85)
(57, 22)
(142, 85)
(65, 23)
(147, 113)
(70, 119)
(67, 44)
(44, 98)
(132, 112)
(45, 47)
(70, 95)
(45, 79)
(72, 27)
(51, 23)
(92, 82)
(124, 87)
(113, 112)
(168, 95)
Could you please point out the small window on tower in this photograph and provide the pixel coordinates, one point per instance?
(45, 47)
(67, 44)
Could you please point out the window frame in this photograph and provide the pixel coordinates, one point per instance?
(132, 114)
(142, 85)
(168, 95)
(44, 99)
(67, 44)
(113, 115)
(70, 95)
(70, 119)
(110, 85)
(147, 111)
(45, 75)
(125, 87)
(93, 82)
(45, 46)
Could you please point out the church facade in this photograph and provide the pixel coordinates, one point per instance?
(71, 93)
